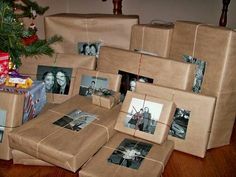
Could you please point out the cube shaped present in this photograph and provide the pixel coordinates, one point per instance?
(212, 49)
(106, 98)
(145, 117)
(79, 30)
(190, 129)
(127, 156)
(75, 129)
(152, 38)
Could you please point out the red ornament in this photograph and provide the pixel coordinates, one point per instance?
(4, 61)
(30, 40)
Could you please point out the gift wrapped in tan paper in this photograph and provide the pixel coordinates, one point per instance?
(127, 156)
(66, 135)
(154, 39)
(215, 46)
(145, 117)
(192, 120)
(79, 29)
(56, 71)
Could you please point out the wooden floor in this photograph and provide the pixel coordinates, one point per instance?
(219, 162)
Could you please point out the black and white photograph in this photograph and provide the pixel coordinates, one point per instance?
(3, 115)
(179, 125)
(92, 84)
(143, 115)
(57, 79)
(130, 153)
(76, 120)
(128, 82)
(199, 73)
(1, 134)
(92, 49)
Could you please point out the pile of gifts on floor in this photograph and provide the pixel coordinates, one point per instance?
(124, 95)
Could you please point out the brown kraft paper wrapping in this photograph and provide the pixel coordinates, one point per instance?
(152, 165)
(201, 108)
(31, 67)
(60, 146)
(152, 38)
(106, 101)
(12, 108)
(164, 72)
(111, 30)
(162, 124)
(25, 159)
(216, 46)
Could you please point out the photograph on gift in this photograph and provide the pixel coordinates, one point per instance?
(3, 116)
(130, 153)
(76, 120)
(143, 115)
(57, 79)
(128, 82)
(89, 48)
(1, 134)
(179, 125)
(199, 73)
(91, 84)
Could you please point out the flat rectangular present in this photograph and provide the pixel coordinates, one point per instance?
(145, 117)
(190, 129)
(79, 29)
(75, 130)
(154, 39)
(106, 101)
(134, 66)
(58, 73)
(87, 82)
(127, 156)
(198, 43)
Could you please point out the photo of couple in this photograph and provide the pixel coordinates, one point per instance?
(91, 49)
(56, 79)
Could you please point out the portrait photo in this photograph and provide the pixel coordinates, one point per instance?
(130, 153)
(91, 84)
(143, 115)
(57, 79)
(92, 48)
(1, 134)
(179, 125)
(76, 120)
(128, 82)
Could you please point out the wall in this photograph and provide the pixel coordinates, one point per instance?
(206, 11)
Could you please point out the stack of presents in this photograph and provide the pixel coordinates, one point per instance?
(122, 96)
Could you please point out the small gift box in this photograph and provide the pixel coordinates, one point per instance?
(106, 98)
(4, 61)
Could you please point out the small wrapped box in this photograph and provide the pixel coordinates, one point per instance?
(85, 30)
(192, 119)
(154, 39)
(146, 117)
(4, 65)
(107, 100)
(127, 156)
(212, 49)
(75, 129)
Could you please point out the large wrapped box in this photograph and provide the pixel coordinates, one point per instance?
(134, 66)
(58, 73)
(190, 129)
(87, 82)
(18, 106)
(146, 117)
(153, 38)
(216, 47)
(127, 156)
(75, 130)
(79, 29)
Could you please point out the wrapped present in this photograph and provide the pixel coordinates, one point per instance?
(87, 82)
(153, 39)
(4, 63)
(85, 33)
(106, 98)
(58, 73)
(75, 129)
(127, 156)
(212, 49)
(146, 117)
(192, 120)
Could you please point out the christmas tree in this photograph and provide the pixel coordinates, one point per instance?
(15, 38)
